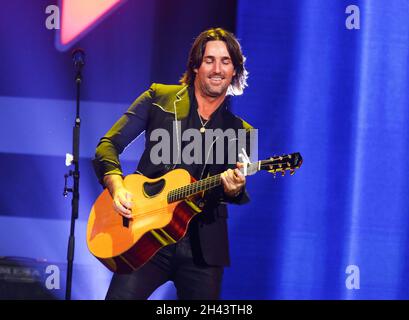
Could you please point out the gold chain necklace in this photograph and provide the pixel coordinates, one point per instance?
(202, 129)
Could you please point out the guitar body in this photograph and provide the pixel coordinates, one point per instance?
(123, 245)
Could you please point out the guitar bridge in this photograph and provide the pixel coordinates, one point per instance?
(125, 222)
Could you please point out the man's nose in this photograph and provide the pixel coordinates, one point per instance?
(216, 67)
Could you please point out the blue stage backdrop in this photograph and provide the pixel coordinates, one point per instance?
(337, 229)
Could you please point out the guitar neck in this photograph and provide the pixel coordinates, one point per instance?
(273, 165)
(194, 188)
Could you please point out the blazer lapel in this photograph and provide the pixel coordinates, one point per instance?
(181, 103)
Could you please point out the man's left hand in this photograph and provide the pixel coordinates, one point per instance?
(233, 181)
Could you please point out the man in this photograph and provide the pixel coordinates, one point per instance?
(195, 264)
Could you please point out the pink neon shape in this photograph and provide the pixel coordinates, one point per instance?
(80, 15)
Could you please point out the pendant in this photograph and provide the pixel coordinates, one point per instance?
(202, 129)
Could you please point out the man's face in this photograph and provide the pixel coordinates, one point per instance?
(216, 72)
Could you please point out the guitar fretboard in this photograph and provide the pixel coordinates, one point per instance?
(194, 188)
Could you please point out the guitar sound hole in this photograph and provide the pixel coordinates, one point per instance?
(151, 189)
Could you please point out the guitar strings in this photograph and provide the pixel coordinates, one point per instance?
(194, 187)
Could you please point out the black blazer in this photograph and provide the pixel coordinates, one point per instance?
(156, 108)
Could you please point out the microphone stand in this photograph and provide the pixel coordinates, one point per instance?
(78, 60)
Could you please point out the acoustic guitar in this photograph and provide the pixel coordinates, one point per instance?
(161, 212)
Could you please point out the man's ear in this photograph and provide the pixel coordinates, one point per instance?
(234, 72)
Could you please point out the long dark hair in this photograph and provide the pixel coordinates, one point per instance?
(239, 81)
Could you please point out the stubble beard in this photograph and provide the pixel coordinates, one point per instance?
(214, 91)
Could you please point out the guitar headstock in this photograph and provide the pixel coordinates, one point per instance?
(289, 162)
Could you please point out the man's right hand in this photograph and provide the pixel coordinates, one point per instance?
(122, 198)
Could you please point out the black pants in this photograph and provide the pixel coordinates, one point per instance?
(193, 279)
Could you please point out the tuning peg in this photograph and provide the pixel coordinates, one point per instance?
(283, 173)
(292, 172)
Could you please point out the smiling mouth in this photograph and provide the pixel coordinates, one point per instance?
(217, 79)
